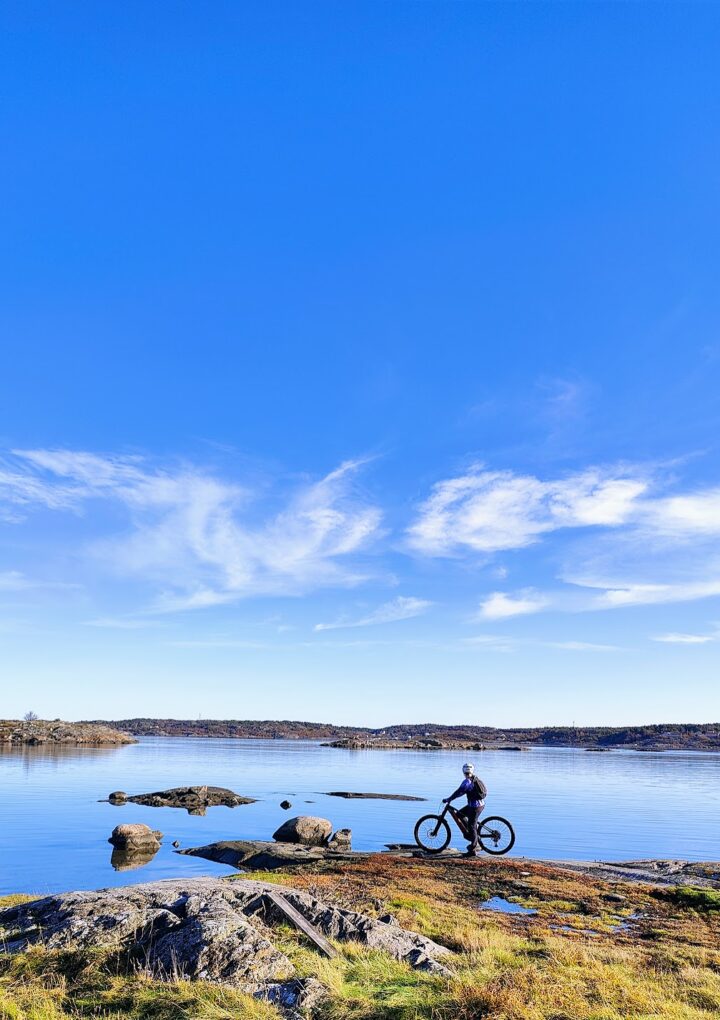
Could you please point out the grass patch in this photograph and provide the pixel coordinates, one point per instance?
(691, 897)
(12, 901)
(504, 967)
(55, 985)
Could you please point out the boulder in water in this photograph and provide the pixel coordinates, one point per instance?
(135, 838)
(305, 829)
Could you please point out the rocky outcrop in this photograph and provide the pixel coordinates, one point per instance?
(306, 829)
(206, 929)
(194, 799)
(372, 796)
(341, 840)
(654, 872)
(259, 855)
(39, 731)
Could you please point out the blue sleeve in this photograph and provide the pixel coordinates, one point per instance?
(462, 788)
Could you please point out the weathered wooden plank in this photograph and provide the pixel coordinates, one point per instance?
(303, 925)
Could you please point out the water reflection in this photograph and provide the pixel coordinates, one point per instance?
(31, 756)
(562, 803)
(125, 859)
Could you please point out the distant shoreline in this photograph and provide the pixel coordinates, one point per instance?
(434, 736)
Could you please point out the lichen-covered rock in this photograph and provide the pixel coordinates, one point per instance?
(176, 929)
(205, 928)
(300, 993)
(216, 942)
(349, 925)
(305, 829)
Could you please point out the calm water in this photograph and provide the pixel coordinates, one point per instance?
(564, 804)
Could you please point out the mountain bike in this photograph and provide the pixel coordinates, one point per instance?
(495, 835)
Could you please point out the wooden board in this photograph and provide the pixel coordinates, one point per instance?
(296, 918)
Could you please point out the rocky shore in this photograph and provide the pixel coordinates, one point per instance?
(427, 744)
(384, 935)
(426, 736)
(211, 930)
(14, 732)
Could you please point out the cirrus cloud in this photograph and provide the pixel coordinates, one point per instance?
(401, 608)
(200, 540)
(490, 511)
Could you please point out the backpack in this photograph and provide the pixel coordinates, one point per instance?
(480, 788)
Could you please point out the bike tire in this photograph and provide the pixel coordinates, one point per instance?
(423, 829)
(489, 843)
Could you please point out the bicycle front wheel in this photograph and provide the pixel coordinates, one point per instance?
(496, 835)
(432, 833)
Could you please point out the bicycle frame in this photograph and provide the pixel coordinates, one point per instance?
(457, 818)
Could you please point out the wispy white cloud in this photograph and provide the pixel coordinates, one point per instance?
(221, 643)
(616, 594)
(199, 539)
(15, 580)
(580, 646)
(490, 643)
(500, 605)
(500, 643)
(684, 639)
(400, 608)
(121, 623)
(489, 511)
(641, 545)
(684, 516)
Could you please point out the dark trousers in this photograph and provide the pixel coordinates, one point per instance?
(470, 817)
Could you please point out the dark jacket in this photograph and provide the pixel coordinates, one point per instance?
(475, 790)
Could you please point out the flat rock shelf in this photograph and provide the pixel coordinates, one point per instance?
(209, 929)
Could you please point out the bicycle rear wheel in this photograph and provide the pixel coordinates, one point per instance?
(432, 833)
(496, 835)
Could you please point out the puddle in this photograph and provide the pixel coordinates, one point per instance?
(505, 906)
(576, 931)
(625, 922)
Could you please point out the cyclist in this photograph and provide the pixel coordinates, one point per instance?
(476, 791)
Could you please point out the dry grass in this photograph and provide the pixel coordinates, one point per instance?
(571, 961)
(41, 985)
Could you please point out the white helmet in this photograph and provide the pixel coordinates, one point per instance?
(468, 768)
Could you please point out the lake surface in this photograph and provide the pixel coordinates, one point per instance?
(564, 804)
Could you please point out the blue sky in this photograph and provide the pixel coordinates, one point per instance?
(360, 362)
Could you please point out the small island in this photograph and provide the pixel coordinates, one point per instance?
(34, 732)
(438, 736)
